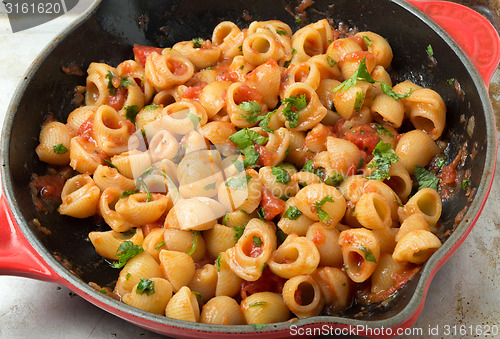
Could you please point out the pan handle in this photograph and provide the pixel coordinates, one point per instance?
(17, 256)
(473, 33)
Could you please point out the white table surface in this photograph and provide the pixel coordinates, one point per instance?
(465, 292)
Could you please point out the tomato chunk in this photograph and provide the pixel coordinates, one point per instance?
(363, 136)
(142, 52)
(245, 93)
(271, 205)
(268, 282)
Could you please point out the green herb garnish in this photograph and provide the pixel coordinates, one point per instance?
(430, 51)
(281, 175)
(245, 140)
(388, 90)
(360, 74)
(126, 251)
(382, 130)
(131, 112)
(330, 61)
(257, 241)
(239, 233)
(292, 213)
(217, 262)
(254, 111)
(335, 179)
(294, 104)
(258, 303)
(160, 245)
(323, 216)
(367, 41)
(383, 157)
(368, 254)
(59, 149)
(280, 32)
(145, 286)
(425, 178)
(195, 242)
(197, 42)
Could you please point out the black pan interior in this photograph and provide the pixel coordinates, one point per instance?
(108, 37)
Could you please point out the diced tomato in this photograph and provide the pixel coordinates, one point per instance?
(142, 52)
(268, 282)
(193, 92)
(177, 67)
(318, 237)
(245, 93)
(86, 129)
(363, 136)
(116, 101)
(271, 205)
(265, 157)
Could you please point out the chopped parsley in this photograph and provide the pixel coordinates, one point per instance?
(151, 107)
(240, 48)
(383, 157)
(294, 104)
(245, 140)
(450, 81)
(239, 233)
(145, 286)
(430, 51)
(131, 112)
(292, 213)
(126, 251)
(330, 61)
(388, 90)
(281, 175)
(239, 182)
(257, 241)
(127, 277)
(360, 74)
(127, 193)
(195, 242)
(198, 295)
(335, 179)
(160, 245)
(217, 262)
(440, 163)
(197, 42)
(110, 164)
(258, 303)
(194, 119)
(323, 216)
(254, 111)
(210, 186)
(465, 184)
(368, 254)
(382, 130)
(59, 149)
(261, 213)
(264, 123)
(111, 88)
(360, 97)
(367, 41)
(425, 178)
(308, 167)
(280, 32)
(124, 82)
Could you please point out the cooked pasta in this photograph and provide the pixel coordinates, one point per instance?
(260, 157)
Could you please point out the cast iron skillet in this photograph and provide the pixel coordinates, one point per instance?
(107, 34)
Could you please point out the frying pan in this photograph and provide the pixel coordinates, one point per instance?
(107, 32)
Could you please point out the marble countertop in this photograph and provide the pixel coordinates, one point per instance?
(465, 292)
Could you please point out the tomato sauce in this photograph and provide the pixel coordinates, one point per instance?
(245, 93)
(116, 101)
(86, 130)
(193, 92)
(49, 187)
(363, 136)
(265, 157)
(141, 53)
(268, 282)
(271, 205)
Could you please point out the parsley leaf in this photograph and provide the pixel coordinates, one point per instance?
(360, 74)
(425, 178)
(124, 82)
(430, 51)
(209, 186)
(292, 213)
(368, 254)
(59, 149)
(131, 112)
(440, 163)
(360, 97)
(261, 326)
(238, 182)
(160, 245)
(258, 303)
(257, 241)
(110, 164)
(388, 90)
(217, 262)
(151, 107)
(281, 175)
(197, 42)
(323, 216)
(335, 179)
(294, 104)
(145, 286)
(465, 184)
(127, 193)
(450, 81)
(111, 87)
(383, 157)
(239, 233)
(195, 242)
(330, 61)
(261, 213)
(308, 167)
(126, 251)
(253, 110)
(367, 41)
(194, 119)
(245, 140)
(280, 32)
(264, 123)
(382, 130)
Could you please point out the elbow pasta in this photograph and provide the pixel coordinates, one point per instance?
(259, 155)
